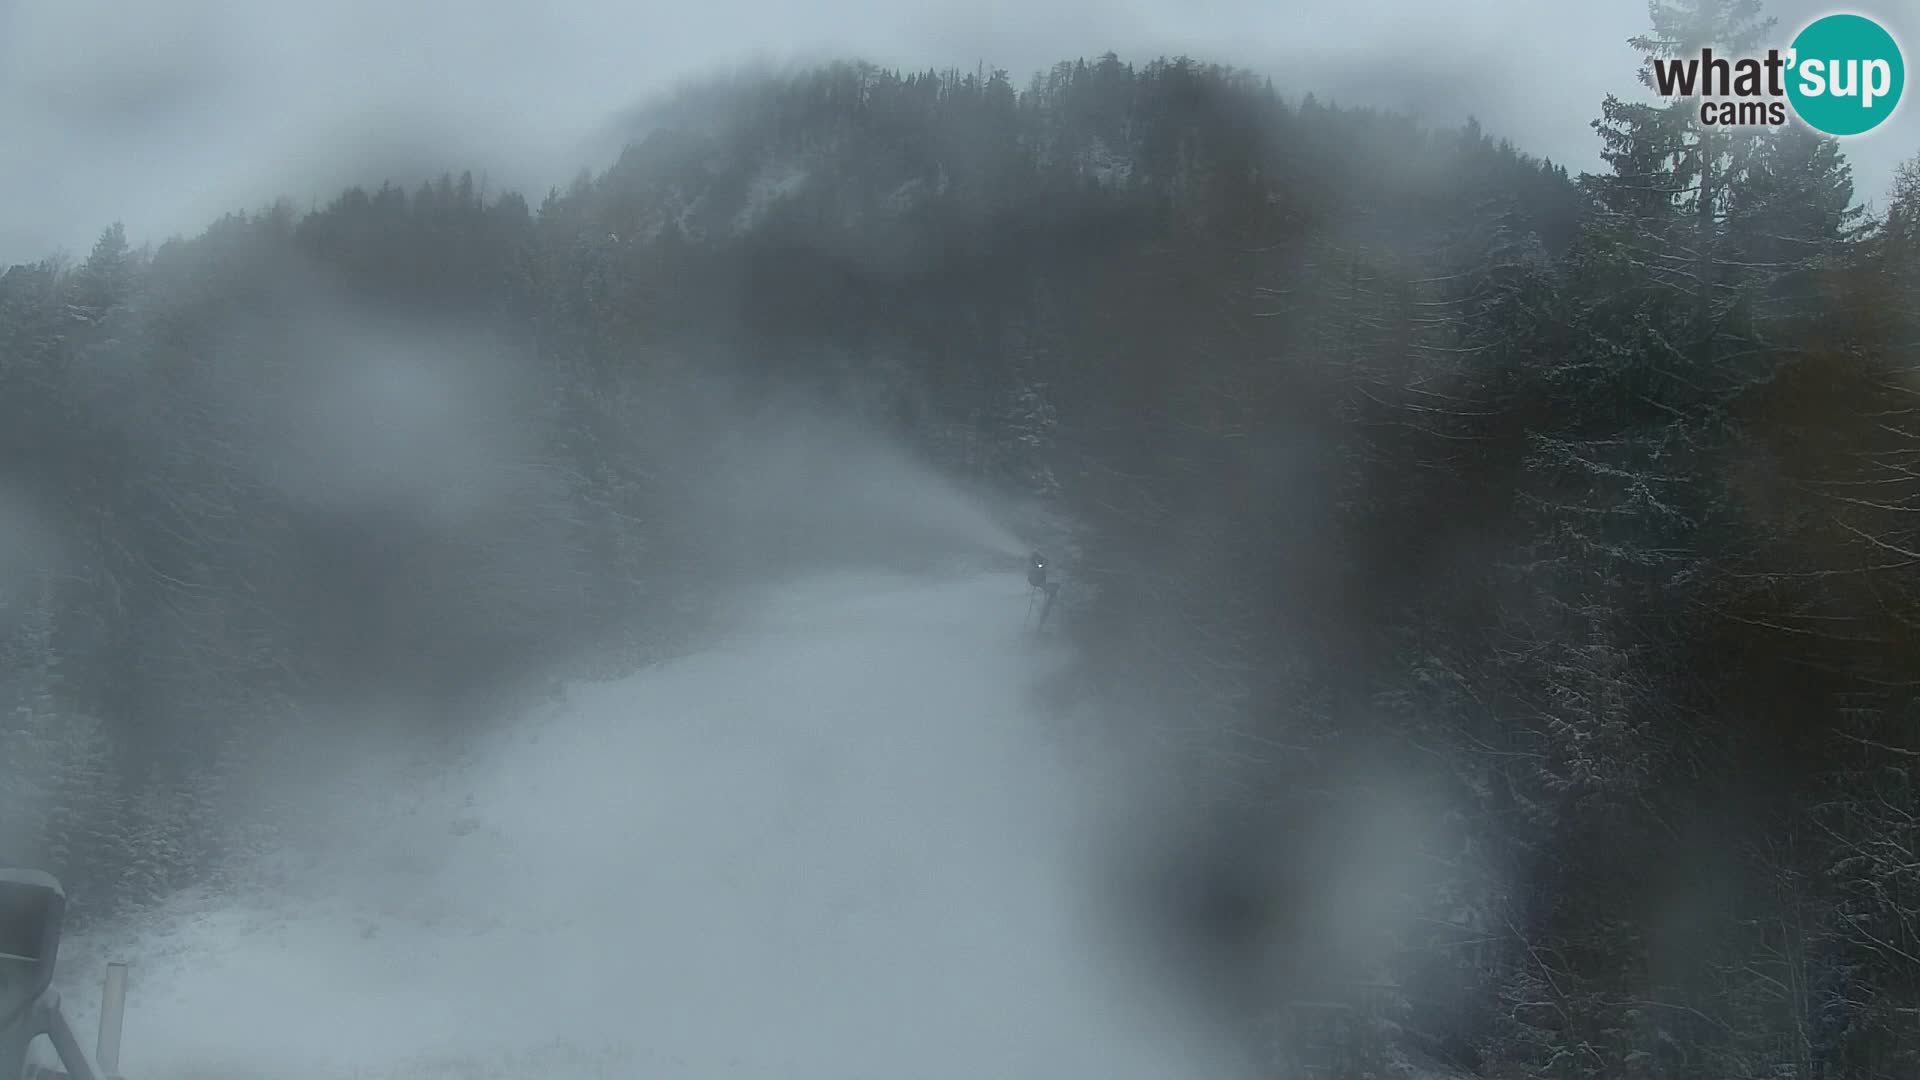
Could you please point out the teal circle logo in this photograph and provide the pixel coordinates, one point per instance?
(1847, 74)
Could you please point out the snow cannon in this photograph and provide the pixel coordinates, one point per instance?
(1037, 577)
(32, 907)
(1037, 571)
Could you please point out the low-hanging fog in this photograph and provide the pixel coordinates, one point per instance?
(870, 824)
(865, 819)
(167, 116)
(535, 577)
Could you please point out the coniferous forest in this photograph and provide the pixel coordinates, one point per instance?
(1403, 465)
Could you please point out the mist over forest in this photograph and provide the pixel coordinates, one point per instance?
(1487, 645)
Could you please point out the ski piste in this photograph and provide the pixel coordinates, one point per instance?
(33, 905)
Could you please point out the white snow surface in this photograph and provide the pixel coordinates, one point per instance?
(847, 843)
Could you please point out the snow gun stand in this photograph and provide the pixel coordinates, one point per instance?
(32, 905)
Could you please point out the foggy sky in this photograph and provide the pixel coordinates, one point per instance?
(166, 115)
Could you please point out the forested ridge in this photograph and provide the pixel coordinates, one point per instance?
(1591, 503)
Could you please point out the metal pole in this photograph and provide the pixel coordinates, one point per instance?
(113, 1008)
(1052, 589)
(65, 1043)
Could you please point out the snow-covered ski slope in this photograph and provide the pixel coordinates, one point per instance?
(845, 843)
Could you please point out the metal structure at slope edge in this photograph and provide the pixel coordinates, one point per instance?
(32, 908)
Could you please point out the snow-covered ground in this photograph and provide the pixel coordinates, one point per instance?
(847, 843)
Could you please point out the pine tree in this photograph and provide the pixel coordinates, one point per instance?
(1792, 214)
(1670, 176)
(106, 279)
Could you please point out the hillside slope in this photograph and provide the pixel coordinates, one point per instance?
(848, 843)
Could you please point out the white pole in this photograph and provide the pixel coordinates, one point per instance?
(113, 1008)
